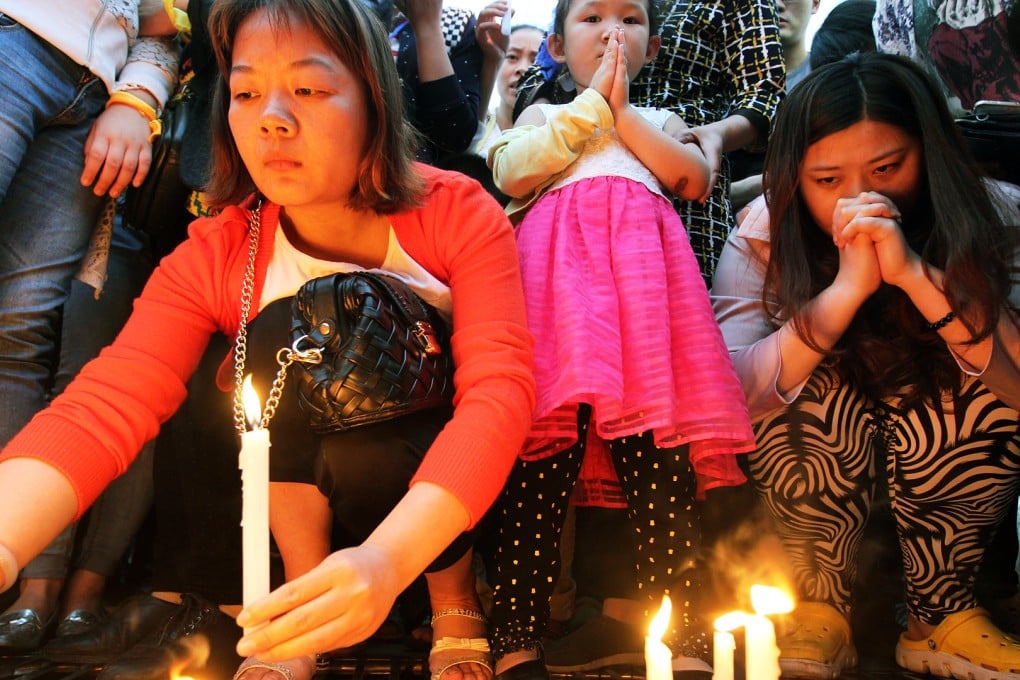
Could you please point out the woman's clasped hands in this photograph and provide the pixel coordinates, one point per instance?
(872, 247)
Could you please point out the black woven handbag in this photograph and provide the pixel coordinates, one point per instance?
(385, 352)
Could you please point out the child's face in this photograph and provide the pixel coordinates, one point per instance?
(586, 30)
(866, 157)
(520, 54)
(297, 113)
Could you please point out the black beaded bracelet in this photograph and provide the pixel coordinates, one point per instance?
(936, 326)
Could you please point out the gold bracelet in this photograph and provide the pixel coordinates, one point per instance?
(139, 105)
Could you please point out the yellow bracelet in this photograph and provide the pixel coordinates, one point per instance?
(8, 568)
(139, 105)
(178, 16)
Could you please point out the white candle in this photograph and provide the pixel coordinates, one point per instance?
(254, 464)
(504, 26)
(724, 645)
(658, 657)
(761, 653)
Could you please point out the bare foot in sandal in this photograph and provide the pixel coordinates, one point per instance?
(300, 668)
(460, 647)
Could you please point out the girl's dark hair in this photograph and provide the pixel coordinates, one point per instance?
(563, 7)
(388, 181)
(846, 29)
(521, 27)
(954, 227)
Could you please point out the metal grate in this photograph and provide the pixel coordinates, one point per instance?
(31, 669)
(398, 661)
(392, 661)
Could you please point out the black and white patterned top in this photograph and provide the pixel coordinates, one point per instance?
(718, 58)
(445, 111)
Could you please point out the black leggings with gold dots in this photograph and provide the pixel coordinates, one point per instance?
(660, 487)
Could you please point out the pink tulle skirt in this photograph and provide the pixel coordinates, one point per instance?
(622, 321)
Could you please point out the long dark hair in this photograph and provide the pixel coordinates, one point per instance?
(388, 181)
(954, 226)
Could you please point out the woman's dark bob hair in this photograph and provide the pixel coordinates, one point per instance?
(387, 180)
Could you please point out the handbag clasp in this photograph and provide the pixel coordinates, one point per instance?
(313, 355)
(426, 337)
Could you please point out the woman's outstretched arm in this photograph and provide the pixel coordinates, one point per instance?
(36, 503)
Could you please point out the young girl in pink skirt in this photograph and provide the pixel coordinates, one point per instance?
(629, 360)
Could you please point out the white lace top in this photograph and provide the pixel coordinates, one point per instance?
(604, 154)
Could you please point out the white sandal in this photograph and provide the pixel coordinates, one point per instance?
(278, 667)
(475, 650)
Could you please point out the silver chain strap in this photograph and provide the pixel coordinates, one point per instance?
(285, 357)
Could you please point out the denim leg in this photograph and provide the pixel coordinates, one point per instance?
(114, 519)
(47, 107)
(89, 325)
(55, 559)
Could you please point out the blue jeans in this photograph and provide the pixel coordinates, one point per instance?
(89, 325)
(47, 107)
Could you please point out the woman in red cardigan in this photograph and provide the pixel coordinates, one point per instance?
(308, 115)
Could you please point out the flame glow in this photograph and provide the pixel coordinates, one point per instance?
(252, 404)
(768, 600)
(657, 628)
(196, 650)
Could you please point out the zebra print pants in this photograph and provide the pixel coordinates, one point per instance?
(952, 472)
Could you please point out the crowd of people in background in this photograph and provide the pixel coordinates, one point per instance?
(699, 273)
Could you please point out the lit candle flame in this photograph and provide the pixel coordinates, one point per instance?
(730, 621)
(252, 404)
(768, 600)
(660, 622)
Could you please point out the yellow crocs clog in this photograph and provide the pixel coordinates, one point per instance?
(967, 646)
(819, 646)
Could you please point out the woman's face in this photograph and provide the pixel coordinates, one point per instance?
(520, 54)
(297, 113)
(867, 156)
